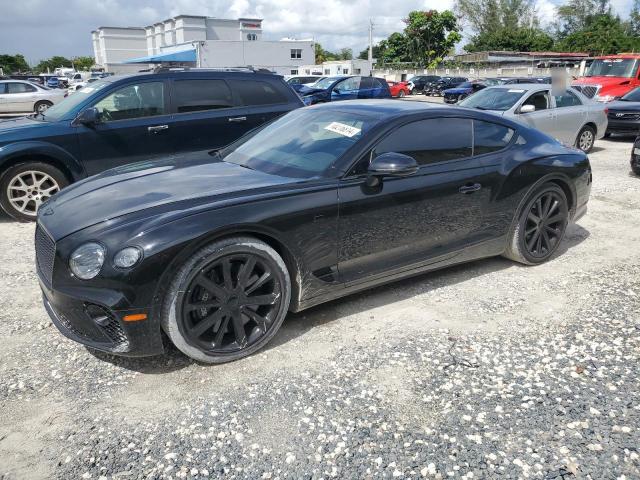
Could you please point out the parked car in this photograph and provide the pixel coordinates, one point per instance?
(216, 248)
(19, 96)
(462, 91)
(418, 83)
(53, 82)
(297, 82)
(398, 89)
(436, 88)
(78, 85)
(119, 120)
(635, 157)
(570, 117)
(610, 77)
(333, 89)
(624, 114)
(527, 80)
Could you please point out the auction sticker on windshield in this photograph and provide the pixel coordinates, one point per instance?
(342, 129)
(515, 90)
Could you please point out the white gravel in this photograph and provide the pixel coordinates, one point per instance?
(486, 370)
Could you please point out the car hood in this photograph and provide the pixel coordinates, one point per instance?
(179, 182)
(7, 126)
(621, 105)
(457, 91)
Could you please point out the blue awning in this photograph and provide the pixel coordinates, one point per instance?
(181, 56)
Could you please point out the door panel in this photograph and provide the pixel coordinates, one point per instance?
(347, 89)
(544, 117)
(134, 127)
(570, 116)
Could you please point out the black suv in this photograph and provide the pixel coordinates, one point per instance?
(418, 83)
(444, 83)
(125, 119)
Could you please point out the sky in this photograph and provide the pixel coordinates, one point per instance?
(39, 29)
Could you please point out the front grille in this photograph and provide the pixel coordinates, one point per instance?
(589, 91)
(45, 254)
(624, 115)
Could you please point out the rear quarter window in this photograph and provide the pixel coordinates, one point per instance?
(490, 137)
(253, 92)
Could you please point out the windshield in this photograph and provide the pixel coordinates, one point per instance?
(61, 109)
(494, 98)
(325, 82)
(632, 96)
(302, 144)
(613, 67)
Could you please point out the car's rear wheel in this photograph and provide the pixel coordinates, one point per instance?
(401, 93)
(227, 301)
(586, 139)
(24, 187)
(541, 226)
(42, 106)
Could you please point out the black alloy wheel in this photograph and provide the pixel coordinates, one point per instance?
(230, 302)
(541, 226)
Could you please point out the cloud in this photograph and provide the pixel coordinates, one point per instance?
(42, 28)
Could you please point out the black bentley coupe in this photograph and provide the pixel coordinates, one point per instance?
(214, 248)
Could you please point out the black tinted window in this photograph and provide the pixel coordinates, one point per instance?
(196, 95)
(430, 141)
(489, 137)
(368, 82)
(251, 92)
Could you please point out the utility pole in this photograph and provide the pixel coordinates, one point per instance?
(371, 46)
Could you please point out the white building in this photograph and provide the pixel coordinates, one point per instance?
(337, 67)
(198, 41)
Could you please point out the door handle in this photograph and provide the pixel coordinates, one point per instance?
(157, 128)
(237, 119)
(470, 188)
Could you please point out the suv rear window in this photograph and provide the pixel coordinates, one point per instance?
(251, 92)
(198, 95)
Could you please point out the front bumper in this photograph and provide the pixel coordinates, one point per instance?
(99, 327)
(623, 126)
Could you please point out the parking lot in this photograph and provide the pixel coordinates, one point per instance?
(489, 369)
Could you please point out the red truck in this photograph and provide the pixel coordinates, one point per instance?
(610, 76)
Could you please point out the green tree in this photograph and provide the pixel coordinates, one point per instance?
(488, 16)
(13, 64)
(520, 39)
(52, 63)
(634, 19)
(323, 55)
(576, 15)
(83, 63)
(431, 35)
(602, 34)
(345, 54)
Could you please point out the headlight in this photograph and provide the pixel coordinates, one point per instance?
(87, 260)
(604, 98)
(127, 257)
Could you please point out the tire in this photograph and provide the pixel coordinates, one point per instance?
(37, 180)
(635, 169)
(401, 94)
(42, 106)
(208, 333)
(523, 245)
(586, 138)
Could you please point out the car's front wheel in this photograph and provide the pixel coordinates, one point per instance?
(586, 139)
(227, 301)
(24, 187)
(541, 226)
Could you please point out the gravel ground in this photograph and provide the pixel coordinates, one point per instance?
(486, 370)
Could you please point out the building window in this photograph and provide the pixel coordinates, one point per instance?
(307, 71)
(327, 71)
(345, 71)
(296, 53)
(294, 72)
(357, 71)
(252, 37)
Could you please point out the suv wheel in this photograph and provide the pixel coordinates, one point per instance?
(24, 187)
(227, 301)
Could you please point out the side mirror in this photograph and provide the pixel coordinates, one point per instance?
(90, 116)
(527, 108)
(392, 164)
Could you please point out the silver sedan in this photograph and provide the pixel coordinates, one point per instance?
(570, 117)
(18, 96)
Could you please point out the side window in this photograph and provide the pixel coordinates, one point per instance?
(252, 92)
(294, 81)
(368, 82)
(351, 83)
(3, 88)
(540, 100)
(198, 95)
(567, 99)
(17, 87)
(490, 137)
(430, 141)
(133, 101)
